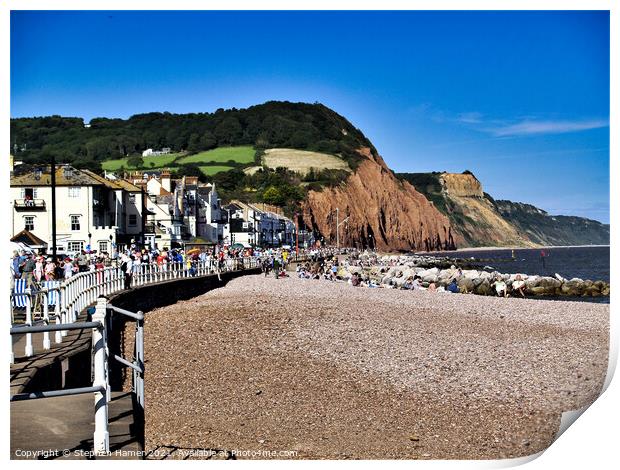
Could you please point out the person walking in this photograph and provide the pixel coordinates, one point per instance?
(50, 270)
(38, 269)
(67, 268)
(127, 268)
(276, 266)
(28, 267)
(82, 262)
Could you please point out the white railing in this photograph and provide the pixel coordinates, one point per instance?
(83, 289)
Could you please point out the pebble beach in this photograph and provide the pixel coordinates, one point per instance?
(313, 369)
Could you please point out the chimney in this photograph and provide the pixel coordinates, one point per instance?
(165, 180)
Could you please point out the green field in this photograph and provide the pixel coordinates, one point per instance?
(159, 162)
(213, 169)
(243, 155)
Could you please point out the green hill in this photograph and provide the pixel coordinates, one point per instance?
(273, 124)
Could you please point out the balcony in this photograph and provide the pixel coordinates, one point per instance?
(29, 205)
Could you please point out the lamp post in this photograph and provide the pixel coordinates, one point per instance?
(338, 224)
(296, 234)
(53, 184)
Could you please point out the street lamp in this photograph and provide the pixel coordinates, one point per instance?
(338, 224)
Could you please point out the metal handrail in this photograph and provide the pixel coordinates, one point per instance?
(56, 393)
(137, 316)
(22, 330)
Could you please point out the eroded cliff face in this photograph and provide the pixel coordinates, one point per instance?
(383, 212)
(461, 185)
(474, 217)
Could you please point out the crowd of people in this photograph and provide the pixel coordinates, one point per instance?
(35, 268)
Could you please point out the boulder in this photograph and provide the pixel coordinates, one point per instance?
(484, 288)
(471, 274)
(466, 284)
(549, 282)
(539, 290)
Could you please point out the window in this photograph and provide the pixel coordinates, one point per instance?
(103, 246)
(28, 193)
(132, 198)
(29, 222)
(75, 222)
(74, 191)
(133, 219)
(74, 246)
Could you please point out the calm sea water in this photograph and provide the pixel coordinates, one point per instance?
(582, 262)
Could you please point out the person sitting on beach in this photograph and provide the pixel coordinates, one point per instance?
(432, 287)
(501, 288)
(519, 285)
(453, 287)
(334, 271)
(355, 280)
(408, 284)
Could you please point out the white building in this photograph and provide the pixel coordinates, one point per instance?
(91, 212)
(250, 225)
(154, 153)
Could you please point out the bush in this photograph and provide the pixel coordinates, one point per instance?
(135, 162)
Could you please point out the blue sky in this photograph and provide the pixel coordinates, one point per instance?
(519, 98)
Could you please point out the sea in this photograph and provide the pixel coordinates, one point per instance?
(583, 262)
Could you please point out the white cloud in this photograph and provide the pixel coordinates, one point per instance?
(470, 118)
(529, 127)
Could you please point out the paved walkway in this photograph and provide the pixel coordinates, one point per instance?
(64, 426)
(25, 368)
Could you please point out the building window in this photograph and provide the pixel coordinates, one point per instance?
(74, 246)
(29, 222)
(103, 246)
(133, 219)
(74, 191)
(28, 193)
(132, 198)
(75, 222)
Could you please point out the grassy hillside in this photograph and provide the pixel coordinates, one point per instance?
(158, 161)
(210, 170)
(241, 155)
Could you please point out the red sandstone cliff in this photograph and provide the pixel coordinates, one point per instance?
(384, 212)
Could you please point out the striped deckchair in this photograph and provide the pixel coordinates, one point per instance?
(20, 301)
(54, 294)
